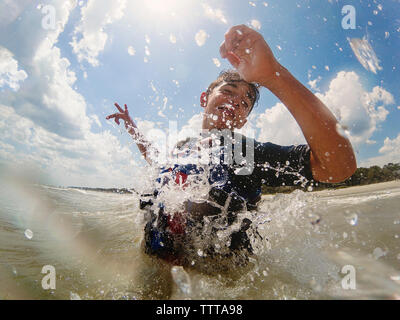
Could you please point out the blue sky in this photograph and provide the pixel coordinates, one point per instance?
(59, 81)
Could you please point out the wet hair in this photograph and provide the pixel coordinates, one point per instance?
(234, 76)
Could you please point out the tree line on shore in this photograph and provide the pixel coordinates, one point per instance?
(362, 176)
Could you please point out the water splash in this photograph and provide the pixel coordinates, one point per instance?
(74, 296)
(182, 280)
(365, 54)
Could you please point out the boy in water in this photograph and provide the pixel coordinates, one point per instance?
(327, 157)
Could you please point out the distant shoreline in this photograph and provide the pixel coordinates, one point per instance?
(342, 190)
(362, 188)
(337, 189)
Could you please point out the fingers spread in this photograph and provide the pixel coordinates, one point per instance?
(111, 116)
(118, 107)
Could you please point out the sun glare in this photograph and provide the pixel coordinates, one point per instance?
(166, 8)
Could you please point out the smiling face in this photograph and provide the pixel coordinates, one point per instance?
(227, 105)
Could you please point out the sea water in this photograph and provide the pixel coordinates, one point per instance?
(315, 245)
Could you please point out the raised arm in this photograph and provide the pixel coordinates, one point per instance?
(332, 157)
(143, 145)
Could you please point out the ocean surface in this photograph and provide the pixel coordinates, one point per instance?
(342, 244)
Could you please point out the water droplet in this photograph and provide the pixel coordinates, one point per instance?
(28, 234)
(378, 252)
(181, 279)
(395, 278)
(265, 273)
(351, 218)
(74, 296)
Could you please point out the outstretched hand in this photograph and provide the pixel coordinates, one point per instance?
(248, 52)
(143, 145)
(122, 115)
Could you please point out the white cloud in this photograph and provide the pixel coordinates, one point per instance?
(95, 119)
(145, 126)
(192, 127)
(313, 83)
(96, 160)
(278, 126)
(214, 14)
(47, 97)
(9, 73)
(45, 123)
(379, 95)
(201, 37)
(356, 109)
(95, 16)
(390, 152)
(391, 145)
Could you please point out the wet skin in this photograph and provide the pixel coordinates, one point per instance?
(227, 106)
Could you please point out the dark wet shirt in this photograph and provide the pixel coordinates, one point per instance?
(271, 164)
